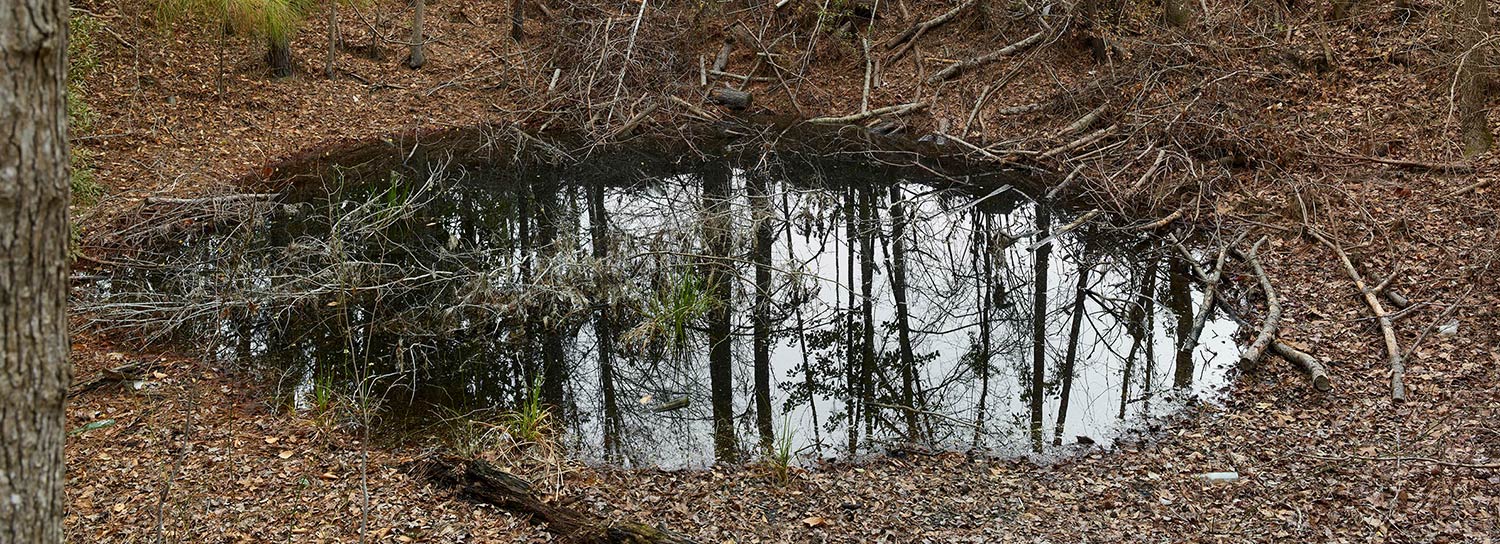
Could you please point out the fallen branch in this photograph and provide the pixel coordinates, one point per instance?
(1084, 122)
(1159, 223)
(1445, 167)
(902, 109)
(481, 481)
(211, 199)
(961, 66)
(1067, 181)
(1387, 331)
(909, 38)
(1252, 354)
(1316, 370)
(1405, 459)
(1085, 140)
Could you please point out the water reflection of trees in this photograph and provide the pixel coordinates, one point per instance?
(866, 310)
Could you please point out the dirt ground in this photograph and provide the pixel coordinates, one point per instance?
(1261, 127)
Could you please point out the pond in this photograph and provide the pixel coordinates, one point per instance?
(677, 309)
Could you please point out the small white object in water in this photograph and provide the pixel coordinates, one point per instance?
(1220, 476)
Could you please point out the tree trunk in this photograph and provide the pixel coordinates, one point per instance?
(333, 39)
(1177, 13)
(418, 56)
(1473, 116)
(867, 227)
(34, 371)
(279, 56)
(1070, 357)
(517, 20)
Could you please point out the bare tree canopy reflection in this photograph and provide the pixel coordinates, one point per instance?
(678, 312)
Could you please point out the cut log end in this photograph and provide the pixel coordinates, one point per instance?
(733, 99)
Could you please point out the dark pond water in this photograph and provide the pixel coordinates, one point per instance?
(672, 311)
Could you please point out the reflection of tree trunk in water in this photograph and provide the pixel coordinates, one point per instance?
(603, 325)
(523, 246)
(903, 315)
(1136, 325)
(1070, 359)
(554, 374)
(719, 275)
(799, 300)
(986, 292)
(867, 310)
(762, 215)
(1148, 331)
(1039, 325)
(851, 360)
(1182, 306)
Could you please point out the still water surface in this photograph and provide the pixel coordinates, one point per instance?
(676, 312)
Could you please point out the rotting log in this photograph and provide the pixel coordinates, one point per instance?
(124, 373)
(733, 99)
(480, 481)
(1316, 370)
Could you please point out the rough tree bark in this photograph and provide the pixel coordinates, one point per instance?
(279, 56)
(34, 371)
(517, 20)
(333, 39)
(418, 55)
(1474, 21)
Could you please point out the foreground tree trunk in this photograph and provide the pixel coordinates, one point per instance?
(517, 18)
(34, 371)
(418, 56)
(1474, 18)
(279, 56)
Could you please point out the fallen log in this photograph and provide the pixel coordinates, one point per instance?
(1084, 122)
(483, 482)
(970, 64)
(127, 372)
(1387, 331)
(1316, 371)
(733, 99)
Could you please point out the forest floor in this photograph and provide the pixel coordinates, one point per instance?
(1268, 120)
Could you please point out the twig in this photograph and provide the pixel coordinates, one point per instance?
(1405, 459)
